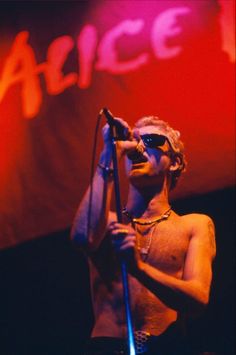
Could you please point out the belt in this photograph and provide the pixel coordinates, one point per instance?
(170, 342)
(118, 346)
(141, 341)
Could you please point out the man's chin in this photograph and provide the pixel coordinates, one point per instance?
(138, 178)
(136, 172)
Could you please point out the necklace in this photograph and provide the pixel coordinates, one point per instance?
(158, 219)
(144, 249)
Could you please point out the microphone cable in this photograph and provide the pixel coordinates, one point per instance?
(92, 168)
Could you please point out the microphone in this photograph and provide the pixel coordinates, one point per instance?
(109, 116)
(135, 154)
(122, 133)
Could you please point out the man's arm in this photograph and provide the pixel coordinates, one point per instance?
(101, 195)
(191, 293)
(98, 207)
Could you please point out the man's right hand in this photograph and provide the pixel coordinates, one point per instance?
(124, 146)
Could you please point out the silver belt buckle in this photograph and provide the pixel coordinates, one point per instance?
(141, 338)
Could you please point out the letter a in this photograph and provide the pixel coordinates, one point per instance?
(21, 67)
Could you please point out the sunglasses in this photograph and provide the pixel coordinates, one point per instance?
(154, 140)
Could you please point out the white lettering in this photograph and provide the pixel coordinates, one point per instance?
(86, 45)
(107, 53)
(165, 26)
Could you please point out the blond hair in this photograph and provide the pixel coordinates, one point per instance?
(177, 146)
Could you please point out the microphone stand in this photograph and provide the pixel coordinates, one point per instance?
(131, 343)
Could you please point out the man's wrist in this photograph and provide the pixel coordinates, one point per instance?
(105, 170)
(106, 156)
(104, 167)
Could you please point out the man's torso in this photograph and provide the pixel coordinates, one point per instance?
(168, 244)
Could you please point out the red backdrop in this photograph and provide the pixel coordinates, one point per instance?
(61, 62)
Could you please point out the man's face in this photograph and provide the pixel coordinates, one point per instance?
(151, 169)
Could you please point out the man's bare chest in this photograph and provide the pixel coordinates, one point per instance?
(163, 246)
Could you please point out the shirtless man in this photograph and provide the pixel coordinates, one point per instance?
(169, 257)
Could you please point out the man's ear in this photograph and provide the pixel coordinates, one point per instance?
(175, 163)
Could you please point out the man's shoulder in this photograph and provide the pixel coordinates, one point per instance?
(198, 224)
(196, 219)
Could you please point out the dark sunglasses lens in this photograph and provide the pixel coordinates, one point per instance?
(153, 140)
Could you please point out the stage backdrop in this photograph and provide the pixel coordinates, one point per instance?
(61, 62)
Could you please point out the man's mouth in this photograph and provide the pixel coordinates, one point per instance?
(140, 160)
(138, 165)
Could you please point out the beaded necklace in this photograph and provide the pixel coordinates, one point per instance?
(144, 249)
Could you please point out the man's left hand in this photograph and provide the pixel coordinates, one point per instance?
(125, 245)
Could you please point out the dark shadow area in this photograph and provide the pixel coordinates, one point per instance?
(45, 307)
(215, 330)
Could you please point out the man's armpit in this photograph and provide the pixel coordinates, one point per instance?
(211, 236)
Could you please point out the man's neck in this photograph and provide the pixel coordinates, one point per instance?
(147, 203)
